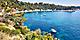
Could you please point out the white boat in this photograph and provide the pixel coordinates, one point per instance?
(44, 14)
(53, 30)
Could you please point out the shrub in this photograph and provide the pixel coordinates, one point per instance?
(4, 29)
(15, 32)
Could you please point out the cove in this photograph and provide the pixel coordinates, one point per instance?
(67, 24)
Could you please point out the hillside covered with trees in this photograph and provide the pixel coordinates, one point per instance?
(31, 6)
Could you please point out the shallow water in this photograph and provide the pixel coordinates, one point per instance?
(67, 24)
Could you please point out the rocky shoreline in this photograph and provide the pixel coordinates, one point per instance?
(12, 28)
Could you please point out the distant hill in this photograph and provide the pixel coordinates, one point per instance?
(31, 6)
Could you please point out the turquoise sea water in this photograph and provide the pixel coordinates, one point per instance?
(67, 24)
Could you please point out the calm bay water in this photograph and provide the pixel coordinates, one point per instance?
(67, 24)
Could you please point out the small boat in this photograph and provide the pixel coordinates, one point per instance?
(44, 14)
(53, 30)
(41, 15)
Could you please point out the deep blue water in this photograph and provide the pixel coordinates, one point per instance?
(67, 24)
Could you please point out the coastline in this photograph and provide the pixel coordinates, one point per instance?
(11, 21)
(45, 11)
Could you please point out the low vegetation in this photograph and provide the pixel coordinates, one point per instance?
(11, 24)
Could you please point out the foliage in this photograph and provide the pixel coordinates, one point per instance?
(23, 30)
(7, 30)
(4, 29)
(17, 19)
(30, 6)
